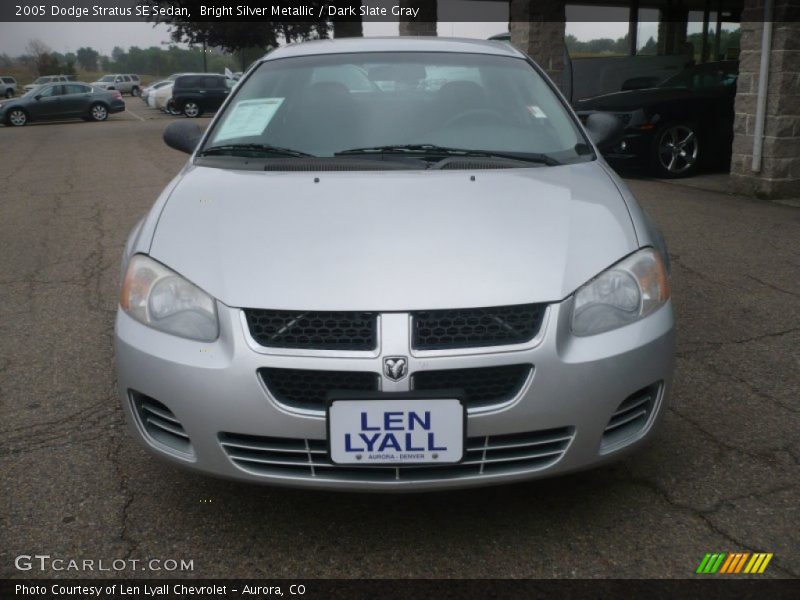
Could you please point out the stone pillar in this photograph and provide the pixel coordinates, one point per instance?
(537, 29)
(425, 23)
(779, 176)
(347, 26)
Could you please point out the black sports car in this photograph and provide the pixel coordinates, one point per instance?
(682, 124)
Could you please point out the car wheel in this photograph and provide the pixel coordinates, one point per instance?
(17, 117)
(9, 93)
(676, 151)
(135, 91)
(98, 112)
(191, 110)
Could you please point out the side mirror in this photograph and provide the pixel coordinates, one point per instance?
(37, 97)
(604, 129)
(183, 136)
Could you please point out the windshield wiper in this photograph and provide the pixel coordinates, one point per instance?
(434, 150)
(233, 149)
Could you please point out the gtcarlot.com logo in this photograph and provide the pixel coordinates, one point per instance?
(45, 562)
(734, 563)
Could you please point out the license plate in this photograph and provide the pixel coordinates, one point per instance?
(396, 432)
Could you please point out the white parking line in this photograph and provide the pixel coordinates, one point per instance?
(129, 111)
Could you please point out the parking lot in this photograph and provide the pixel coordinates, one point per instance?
(721, 476)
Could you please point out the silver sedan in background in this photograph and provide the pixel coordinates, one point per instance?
(394, 264)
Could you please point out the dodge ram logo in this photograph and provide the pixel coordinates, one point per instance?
(395, 367)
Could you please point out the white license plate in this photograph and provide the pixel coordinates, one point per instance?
(396, 432)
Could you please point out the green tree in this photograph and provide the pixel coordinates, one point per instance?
(47, 64)
(239, 37)
(87, 58)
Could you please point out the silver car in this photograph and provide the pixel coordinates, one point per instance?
(394, 264)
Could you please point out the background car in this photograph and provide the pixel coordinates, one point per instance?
(61, 101)
(683, 124)
(125, 83)
(146, 91)
(45, 80)
(8, 87)
(193, 95)
(158, 98)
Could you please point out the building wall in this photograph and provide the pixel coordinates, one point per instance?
(780, 170)
(537, 28)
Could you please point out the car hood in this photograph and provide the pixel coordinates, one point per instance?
(633, 99)
(392, 240)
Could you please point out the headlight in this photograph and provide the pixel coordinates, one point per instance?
(162, 299)
(630, 290)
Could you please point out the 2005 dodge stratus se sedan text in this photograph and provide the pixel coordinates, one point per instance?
(394, 264)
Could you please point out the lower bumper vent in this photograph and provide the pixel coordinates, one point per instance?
(631, 416)
(485, 456)
(160, 423)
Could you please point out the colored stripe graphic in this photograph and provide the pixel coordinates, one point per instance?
(727, 564)
(734, 563)
(730, 564)
(711, 563)
(703, 563)
(740, 564)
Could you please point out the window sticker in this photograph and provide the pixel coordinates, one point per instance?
(536, 112)
(248, 118)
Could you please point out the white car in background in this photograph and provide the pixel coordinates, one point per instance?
(159, 98)
(147, 90)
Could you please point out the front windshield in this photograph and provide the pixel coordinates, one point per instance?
(42, 80)
(326, 104)
(106, 78)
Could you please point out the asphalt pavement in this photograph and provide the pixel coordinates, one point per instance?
(721, 476)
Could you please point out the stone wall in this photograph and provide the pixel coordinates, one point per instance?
(780, 169)
(425, 24)
(537, 28)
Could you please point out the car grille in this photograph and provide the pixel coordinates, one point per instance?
(631, 416)
(484, 456)
(476, 327)
(308, 389)
(160, 423)
(482, 386)
(313, 330)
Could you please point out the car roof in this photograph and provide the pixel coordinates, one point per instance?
(394, 44)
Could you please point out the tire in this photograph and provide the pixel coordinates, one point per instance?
(98, 112)
(192, 110)
(9, 93)
(17, 117)
(135, 91)
(676, 151)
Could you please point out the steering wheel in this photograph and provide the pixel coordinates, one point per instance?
(472, 113)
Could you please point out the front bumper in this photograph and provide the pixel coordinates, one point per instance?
(633, 151)
(576, 386)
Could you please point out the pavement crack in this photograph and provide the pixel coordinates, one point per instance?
(773, 286)
(706, 515)
(128, 495)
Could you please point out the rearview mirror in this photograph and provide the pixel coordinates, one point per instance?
(183, 136)
(604, 129)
